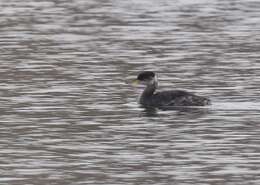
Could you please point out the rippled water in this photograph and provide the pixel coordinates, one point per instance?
(69, 117)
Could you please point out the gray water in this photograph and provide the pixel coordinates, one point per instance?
(69, 116)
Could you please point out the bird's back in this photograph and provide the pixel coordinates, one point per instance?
(177, 98)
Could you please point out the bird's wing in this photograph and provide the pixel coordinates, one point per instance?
(171, 98)
(179, 98)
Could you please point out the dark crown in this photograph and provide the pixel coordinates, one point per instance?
(146, 75)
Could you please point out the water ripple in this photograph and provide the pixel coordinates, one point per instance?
(68, 117)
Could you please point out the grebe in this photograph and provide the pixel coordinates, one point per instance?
(150, 98)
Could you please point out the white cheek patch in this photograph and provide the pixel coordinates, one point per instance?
(155, 81)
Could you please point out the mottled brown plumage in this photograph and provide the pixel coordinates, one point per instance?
(150, 98)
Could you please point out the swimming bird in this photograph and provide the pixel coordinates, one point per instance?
(151, 98)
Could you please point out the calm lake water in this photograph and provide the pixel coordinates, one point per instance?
(68, 115)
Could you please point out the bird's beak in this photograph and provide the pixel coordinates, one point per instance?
(136, 82)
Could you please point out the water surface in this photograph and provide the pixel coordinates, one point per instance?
(69, 117)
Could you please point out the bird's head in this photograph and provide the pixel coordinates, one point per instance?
(146, 78)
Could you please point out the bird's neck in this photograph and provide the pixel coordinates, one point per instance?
(150, 89)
